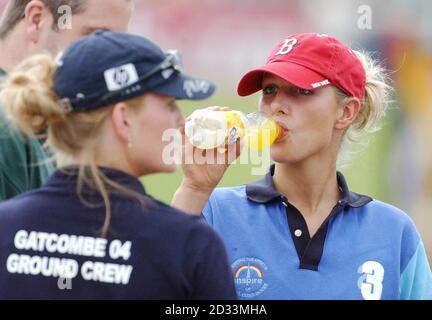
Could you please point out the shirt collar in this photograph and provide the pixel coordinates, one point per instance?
(67, 177)
(264, 191)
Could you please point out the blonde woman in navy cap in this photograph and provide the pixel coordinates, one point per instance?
(91, 231)
(300, 232)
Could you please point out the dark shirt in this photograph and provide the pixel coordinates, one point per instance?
(50, 247)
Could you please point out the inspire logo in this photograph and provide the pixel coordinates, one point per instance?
(249, 277)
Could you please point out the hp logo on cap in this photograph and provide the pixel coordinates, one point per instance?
(121, 77)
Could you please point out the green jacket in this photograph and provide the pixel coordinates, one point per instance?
(23, 162)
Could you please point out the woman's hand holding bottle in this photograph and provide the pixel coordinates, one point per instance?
(212, 140)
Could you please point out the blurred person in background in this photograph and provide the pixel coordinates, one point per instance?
(105, 103)
(300, 233)
(34, 26)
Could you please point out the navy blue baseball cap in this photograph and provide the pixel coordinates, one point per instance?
(108, 67)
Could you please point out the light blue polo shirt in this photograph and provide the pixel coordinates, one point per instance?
(365, 249)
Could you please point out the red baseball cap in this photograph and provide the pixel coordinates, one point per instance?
(310, 61)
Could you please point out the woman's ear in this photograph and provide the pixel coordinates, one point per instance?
(347, 113)
(121, 121)
(35, 13)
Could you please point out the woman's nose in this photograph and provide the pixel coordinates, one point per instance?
(279, 106)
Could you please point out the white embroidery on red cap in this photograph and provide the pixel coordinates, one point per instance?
(320, 84)
(287, 47)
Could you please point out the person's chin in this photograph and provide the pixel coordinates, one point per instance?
(163, 168)
(282, 154)
(169, 168)
(280, 147)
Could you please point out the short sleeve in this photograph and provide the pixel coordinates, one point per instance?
(416, 278)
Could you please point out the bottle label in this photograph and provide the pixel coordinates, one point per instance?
(233, 135)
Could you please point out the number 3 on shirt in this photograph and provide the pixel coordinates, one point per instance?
(370, 283)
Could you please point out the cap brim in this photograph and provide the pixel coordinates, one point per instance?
(293, 73)
(185, 87)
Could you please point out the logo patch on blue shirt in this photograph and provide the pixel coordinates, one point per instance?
(249, 277)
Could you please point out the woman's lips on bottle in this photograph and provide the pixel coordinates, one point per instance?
(283, 131)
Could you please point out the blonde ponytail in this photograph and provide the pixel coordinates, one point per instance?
(375, 103)
(28, 96)
(32, 105)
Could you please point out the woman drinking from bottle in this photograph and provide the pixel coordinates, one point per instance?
(300, 232)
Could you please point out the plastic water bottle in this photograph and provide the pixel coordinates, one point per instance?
(209, 129)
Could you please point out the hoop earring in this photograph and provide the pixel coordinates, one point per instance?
(129, 142)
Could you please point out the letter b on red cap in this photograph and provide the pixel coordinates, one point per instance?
(287, 46)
